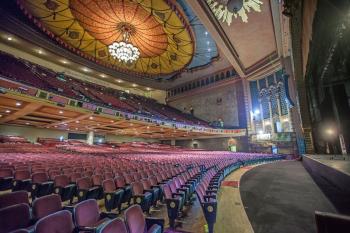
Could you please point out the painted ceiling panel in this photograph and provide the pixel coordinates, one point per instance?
(161, 33)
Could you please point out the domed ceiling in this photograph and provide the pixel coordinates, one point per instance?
(158, 29)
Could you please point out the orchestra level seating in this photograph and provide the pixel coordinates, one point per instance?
(51, 189)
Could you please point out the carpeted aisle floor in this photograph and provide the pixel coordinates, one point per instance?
(282, 197)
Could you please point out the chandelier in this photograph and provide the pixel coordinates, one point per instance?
(124, 51)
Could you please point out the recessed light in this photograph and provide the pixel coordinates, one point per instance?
(27, 123)
(119, 81)
(40, 51)
(147, 127)
(9, 38)
(18, 103)
(91, 118)
(7, 111)
(0, 115)
(103, 75)
(112, 121)
(64, 61)
(148, 89)
(60, 112)
(76, 121)
(86, 69)
(134, 85)
(55, 126)
(76, 128)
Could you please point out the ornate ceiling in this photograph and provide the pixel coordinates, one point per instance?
(158, 28)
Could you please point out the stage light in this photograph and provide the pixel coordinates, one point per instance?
(330, 132)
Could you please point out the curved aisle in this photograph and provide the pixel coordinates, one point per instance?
(231, 217)
(282, 197)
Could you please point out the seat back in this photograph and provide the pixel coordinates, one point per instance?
(119, 181)
(129, 178)
(97, 180)
(115, 226)
(46, 205)
(53, 174)
(59, 222)
(39, 177)
(146, 184)
(153, 180)
(13, 198)
(108, 175)
(137, 188)
(61, 181)
(74, 177)
(22, 174)
(135, 220)
(109, 185)
(86, 213)
(6, 172)
(84, 183)
(14, 217)
(167, 191)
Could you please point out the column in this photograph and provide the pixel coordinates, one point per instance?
(90, 138)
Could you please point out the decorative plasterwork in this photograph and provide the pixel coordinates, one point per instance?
(87, 27)
(223, 14)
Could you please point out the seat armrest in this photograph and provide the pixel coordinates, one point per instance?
(210, 192)
(209, 196)
(178, 194)
(182, 189)
(70, 208)
(148, 190)
(86, 229)
(108, 215)
(150, 221)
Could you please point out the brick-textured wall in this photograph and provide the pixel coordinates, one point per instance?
(214, 143)
(220, 103)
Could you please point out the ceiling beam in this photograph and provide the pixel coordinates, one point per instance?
(79, 118)
(206, 16)
(29, 108)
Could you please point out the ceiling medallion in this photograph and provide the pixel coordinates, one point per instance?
(224, 10)
(124, 51)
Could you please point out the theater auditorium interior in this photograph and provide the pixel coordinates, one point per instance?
(175, 116)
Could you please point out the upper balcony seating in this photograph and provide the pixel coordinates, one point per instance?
(28, 73)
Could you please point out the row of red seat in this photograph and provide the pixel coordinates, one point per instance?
(47, 214)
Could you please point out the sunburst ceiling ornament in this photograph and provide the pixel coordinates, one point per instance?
(159, 31)
(225, 10)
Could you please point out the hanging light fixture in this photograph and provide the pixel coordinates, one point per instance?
(123, 50)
